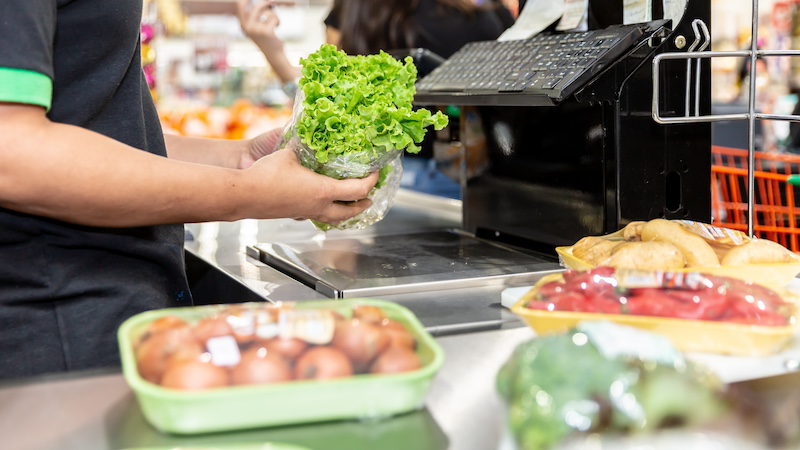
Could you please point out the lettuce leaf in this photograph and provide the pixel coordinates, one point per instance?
(360, 106)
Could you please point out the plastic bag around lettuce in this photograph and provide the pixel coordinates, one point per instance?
(353, 115)
(351, 165)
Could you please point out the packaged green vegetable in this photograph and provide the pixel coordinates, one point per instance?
(353, 115)
(604, 379)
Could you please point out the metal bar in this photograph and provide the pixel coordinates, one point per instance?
(656, 113)
(724, 117)
(737, 53)
(790, 118)
(697, 23)
(701, 119)
(719, 117)
(691, 48)
(751, 115)
(751, 122)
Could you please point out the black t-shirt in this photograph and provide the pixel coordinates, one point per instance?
(64, 288)
(444, 30)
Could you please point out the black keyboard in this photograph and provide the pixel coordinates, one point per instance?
(551, 65)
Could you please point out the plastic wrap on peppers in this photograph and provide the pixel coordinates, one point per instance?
(353, 115)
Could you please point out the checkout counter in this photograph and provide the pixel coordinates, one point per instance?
(98, 411)
(596, 161)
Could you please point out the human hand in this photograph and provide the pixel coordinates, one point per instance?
(260, 146)
(259, 22)
(297, 192)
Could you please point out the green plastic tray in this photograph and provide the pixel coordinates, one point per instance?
(258, 446)
(366, 397)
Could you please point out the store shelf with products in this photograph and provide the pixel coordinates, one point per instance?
(758, 174)
(212, 80)
(777, 78)
(463, 410)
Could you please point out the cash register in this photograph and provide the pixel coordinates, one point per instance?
(567, 147)
(571, 147)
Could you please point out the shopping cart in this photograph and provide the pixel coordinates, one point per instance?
(774, 215)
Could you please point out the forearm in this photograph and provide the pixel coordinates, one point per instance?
(215, 152)
(276, 57)
(259, 22)
(75, 175)
(71, 174)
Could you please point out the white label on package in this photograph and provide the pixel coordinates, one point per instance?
(224, 351)
(574, 14)
(614, 341)
(637, 11)
(535, 16)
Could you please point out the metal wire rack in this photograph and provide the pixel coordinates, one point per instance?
(694, 53)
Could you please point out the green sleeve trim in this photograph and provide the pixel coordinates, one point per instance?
(25, 86)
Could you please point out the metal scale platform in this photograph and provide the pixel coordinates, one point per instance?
(403, 263)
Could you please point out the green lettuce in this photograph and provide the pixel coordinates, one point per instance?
(359, 108)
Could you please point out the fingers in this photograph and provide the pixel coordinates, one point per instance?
(347, 190)
(295, 191)
(338, 212)
(257, 17)
(266, 143)
(355, 189)
(243, 8)
(351, 195)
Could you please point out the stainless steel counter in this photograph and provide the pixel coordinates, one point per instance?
(223, 246)
(97, 411)
(442, 312)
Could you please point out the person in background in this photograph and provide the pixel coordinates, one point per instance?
(259, 23)
(441, 26)
(793, 140)
(362, 27)
(93, 196)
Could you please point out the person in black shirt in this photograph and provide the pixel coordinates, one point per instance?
(93, 196)
(362, 27)
(368, 26)
(441, 26)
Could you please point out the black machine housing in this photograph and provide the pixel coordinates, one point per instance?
(597, 160)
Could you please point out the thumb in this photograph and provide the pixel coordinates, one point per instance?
(266, 143)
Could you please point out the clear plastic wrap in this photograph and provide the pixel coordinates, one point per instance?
(213, 368)
(351, 165)
(607, 379)
(696, 312)
(255, 343)
(354, 115)
(731, 253)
